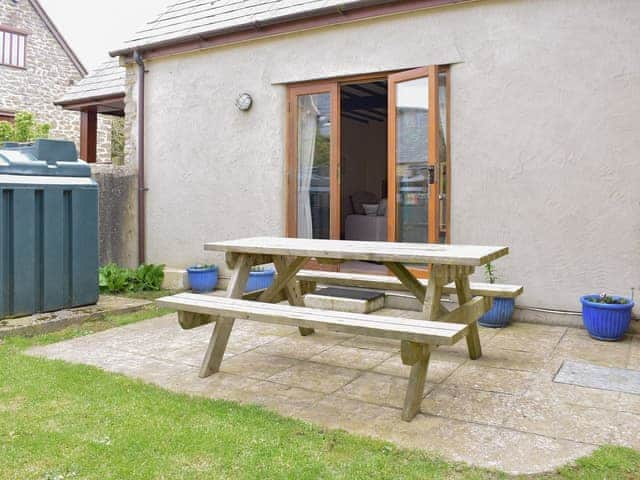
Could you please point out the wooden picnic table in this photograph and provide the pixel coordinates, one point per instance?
(447, 263)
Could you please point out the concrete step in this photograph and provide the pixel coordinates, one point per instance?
(353, 300)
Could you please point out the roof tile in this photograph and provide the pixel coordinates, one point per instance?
(189, 18)
(107, 79)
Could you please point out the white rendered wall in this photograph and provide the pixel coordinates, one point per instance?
(545, 141)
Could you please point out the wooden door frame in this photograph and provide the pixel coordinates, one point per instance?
(431, 74)
(433, 207)
(447, 72)
(332, 85)
(292, 155)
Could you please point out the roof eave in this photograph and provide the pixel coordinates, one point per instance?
(89, 101)
(330, 15)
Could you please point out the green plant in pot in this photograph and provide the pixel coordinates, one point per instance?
(606, 317)
(502, 310)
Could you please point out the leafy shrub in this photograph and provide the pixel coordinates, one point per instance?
(147, 277)
(114, 279)
(24, 129)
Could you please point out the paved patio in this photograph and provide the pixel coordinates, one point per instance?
(502, 411)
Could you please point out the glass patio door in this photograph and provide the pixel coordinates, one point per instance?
(417, 157)
(313, 179)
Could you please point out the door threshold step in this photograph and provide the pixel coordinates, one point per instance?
(353, 300)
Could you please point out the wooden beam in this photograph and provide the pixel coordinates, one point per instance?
(287, 271)
(88, 135)
(354, 118)
(370, 115)
(464, 298)
(362, 88)
(408, 280)
(417, 355)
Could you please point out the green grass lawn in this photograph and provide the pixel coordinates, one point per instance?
(62, 421)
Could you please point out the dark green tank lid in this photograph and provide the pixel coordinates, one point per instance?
(43, 157)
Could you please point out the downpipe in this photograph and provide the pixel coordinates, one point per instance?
(140, 148)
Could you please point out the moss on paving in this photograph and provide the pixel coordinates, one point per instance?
(62, 421)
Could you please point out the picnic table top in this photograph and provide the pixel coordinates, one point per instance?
(414, 253)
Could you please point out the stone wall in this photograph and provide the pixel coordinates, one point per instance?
(131, 116)
(103, 143)
(47, 75)
(117, 214)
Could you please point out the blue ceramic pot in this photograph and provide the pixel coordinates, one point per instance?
(500, 314)
(259, 280)
(605, 321)
(202, 279)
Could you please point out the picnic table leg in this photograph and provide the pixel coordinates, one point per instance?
(222, 329)
(417, 355)
(463, 290)
(285, 267)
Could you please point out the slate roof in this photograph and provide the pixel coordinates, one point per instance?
(106, 80)
(188, 19)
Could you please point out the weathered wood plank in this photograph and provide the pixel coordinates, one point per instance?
(416, 355)
(407, 279)
(286, 273)
(386, 282)
(189, 320)
(431, 306)
(330, 261)
(419, 331)
(467, 313)
(279, 297)
(473, 336)
(411, 352)
(289, 268)
(417, 253)
(224, 325)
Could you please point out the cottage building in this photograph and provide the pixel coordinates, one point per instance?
(492, 122)
(37, 65)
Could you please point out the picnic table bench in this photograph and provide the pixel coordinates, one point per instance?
(448, 264)
(311, 278)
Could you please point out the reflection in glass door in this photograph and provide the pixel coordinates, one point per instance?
(412, 187)
(313, 163)
(314, 140)
(417, 157)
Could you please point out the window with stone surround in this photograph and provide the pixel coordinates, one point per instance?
(12, 48)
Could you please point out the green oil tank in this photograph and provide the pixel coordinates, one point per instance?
(48, 228)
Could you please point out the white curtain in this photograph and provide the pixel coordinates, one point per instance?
(307, 129)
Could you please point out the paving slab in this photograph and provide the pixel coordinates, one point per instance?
(602, 378)
(379, 389)
(316, 377)
(490, 379)
(439, 369)
(501, 411)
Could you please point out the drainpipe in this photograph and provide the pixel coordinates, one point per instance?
(141, 186)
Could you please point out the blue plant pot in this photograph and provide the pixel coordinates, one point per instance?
(500, 314)
(604, 321)
(201, 279)
(260, 280)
